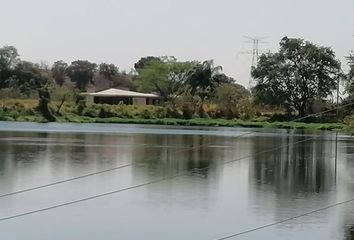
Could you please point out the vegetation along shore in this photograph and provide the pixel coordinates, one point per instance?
(298, 81)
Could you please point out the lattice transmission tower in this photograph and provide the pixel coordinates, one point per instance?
(255, 41)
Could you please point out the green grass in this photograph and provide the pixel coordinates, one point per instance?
(183, 122)
(204, 122)
(25, 111)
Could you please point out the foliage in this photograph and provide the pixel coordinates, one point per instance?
(350, 75)
(230, 98)
(165, 77)
(59, 72)
(144, 61)
(43, 104)
(8, 61)
(109, 73)
(27, 76)
(15, 93)
(123, 79)
(123, 111)
(203, 78)
(81, 72)
(25, 110)
(108, 70)
(292, 79)
(185, 106)
(296, 75)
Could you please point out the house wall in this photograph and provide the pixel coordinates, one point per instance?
(139, 101)
(89, 99)
(113, 100)
(124, 100)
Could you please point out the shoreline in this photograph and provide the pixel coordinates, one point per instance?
(202, 122)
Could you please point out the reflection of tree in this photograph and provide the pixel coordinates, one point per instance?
(172, 154)
(24, 147)
(294, 178)
(296, 168)
(86, 151)
(350, 233)
(346, 175)
(18, 153)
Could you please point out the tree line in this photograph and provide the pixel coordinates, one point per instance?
(293, 78)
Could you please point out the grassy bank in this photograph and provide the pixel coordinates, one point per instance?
(184, 122)
(25, 111)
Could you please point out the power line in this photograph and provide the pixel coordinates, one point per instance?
(136, 186)
(102, 172)
(143, 184)
(85, 199)
(133, 164)
(122, 190)
(286, 219)
(326, 111)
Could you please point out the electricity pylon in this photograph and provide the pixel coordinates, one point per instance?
(255, 41)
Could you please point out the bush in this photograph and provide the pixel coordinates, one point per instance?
(124, 111)
(349, 120)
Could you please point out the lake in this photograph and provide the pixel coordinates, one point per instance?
(202, 183)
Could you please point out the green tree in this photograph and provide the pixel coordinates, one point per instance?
(108, 71)
(8, 61)
(296, 75)
(350, 75)
(230, 99)
(165, 77)
(202, 80)
(204, 77)
(43, 103)
(81, 72)
(144, 61)
(59, 72)
(124, 79)
(27, 76)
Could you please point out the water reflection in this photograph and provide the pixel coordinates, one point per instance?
(305, 167)
(179, 154)
(273, 185)
(350, 233)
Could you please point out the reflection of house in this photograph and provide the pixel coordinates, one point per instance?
(117, 96)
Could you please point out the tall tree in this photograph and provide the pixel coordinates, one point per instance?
(108, 71)
(350, 75)
(8, 61)
(296, 75)
(165, 77)
(59, 72)
(202, 80)
(43, 103)
(144, 61)
(27, 76)
(81, 72)
(230, 97)
(124, 79)
(204, 77)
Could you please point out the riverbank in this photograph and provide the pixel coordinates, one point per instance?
(25, 111)
(225, 123)
(72, 118)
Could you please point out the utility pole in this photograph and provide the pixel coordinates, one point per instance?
(255, 41)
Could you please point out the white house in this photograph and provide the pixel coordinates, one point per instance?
(119, 96)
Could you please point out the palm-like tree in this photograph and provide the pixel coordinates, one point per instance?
(203, 78)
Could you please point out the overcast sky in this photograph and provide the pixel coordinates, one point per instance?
(121, 31)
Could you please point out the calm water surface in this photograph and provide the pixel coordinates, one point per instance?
(214, 196)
